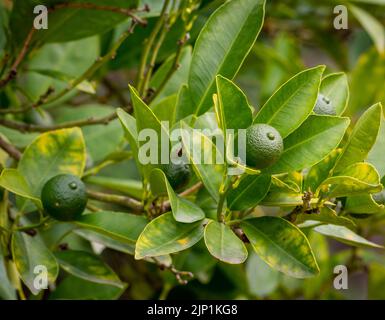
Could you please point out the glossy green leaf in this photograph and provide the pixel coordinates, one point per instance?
(129, 125)
(250, 191)
(362, 138)
(356, 179)
(164, 110)
(7, 292)
(206, 159)
(326, 215)
(101, 140)
(335, 86)
(146, 120)
(74, 288)
(232, 101)
(293, 102)
(182, 209)
(14, 182)
(281, 245)
(319, 172)
(262, 279)
(130, 187)
(345, 235)
(310, 143)
(120, 226)
(69, 23)
(30, 256)
(223, 244)
(164, 235)
(50, 154)
(376, 154)
(282, 199)
(373, 27)
(363, 204)
(184, 106)
(223, 52)
(178, 78)
(88, 267)
(71, 58)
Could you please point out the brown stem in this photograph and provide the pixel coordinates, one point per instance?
(166, 204)
(13, 72)
(10, 149)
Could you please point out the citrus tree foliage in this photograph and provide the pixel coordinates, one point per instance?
(198, 65)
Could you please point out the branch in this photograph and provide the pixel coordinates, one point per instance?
(123, 201)
(123, 11)
(147, 48)
(175, 66)
(10, 149)
(13, 72)
(166, 206)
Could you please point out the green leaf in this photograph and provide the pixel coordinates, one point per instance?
(376, 154)
(364, 204)
(310, 143)
(223, 244)
(30, 254)
(164, 110)
(262, 279)
(282, 199)
(72, 59)
(182, 209)
(319, 172)
(184, 106)
(250, 191)
(106, 241)
(239, 22)
(88, 267)
(210, 167)
(345, 235)
(7, 291)
(101, 140)
(358, 178)
(146, 119)
(293, 102)
(164, 235)
(73, 288)
(50, 154)
(326, 215)
(130, 187)
(179, 77)
(13, 181)
(335, 86)
(373, 27)
(281, 245)
(232, 101)
(129, 125)
(362, 138)
(66, 24)
(120, 226)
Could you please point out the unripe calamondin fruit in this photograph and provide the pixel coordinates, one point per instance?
(64, 197)
(178, 175)
(324, 106)
(264, 146)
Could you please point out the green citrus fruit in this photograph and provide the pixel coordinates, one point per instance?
(264, 146)
(379, 197)
(64, 197)
(324, 106)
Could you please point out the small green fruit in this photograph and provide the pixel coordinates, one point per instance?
(64, 197)
(264, 146)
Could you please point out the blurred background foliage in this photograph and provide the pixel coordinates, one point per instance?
(296, 34)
